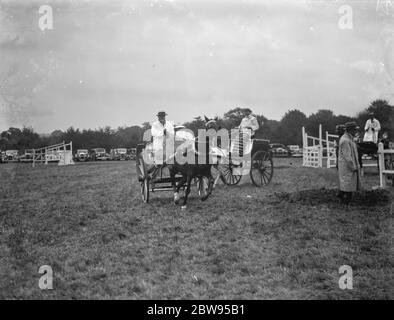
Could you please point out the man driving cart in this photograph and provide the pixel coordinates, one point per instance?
(163, 133)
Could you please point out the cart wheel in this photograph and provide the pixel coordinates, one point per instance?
(204, 186)
(143, 178)
(227, 175)
(262, 168)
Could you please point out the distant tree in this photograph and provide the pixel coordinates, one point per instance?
(197, 123)
(286, 131)
(341, 119)
(290, 127)
(28, 139)
(263, 130)
(269, 130)
(15, 138)
(325, 117)
(128, 137)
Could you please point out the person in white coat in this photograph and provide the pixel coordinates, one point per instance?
(163, 133)
(372, 128)
(248, 126)
(249, 122)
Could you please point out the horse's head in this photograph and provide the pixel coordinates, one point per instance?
(211, 123)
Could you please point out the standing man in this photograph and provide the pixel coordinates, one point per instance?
(248, 125)
(348, 165)
(340, 131)
(249, 122)
(372, 128)
(162, 132)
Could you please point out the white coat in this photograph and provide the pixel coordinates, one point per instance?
(159, 139)
(371, 135)
(250, 122)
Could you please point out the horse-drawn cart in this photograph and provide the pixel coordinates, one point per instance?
(154, 178)
(260, 166)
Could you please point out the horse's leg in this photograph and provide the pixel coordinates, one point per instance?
(173, 184)
(179, 186)
(188, 183)
(207, 174)
(212, 181)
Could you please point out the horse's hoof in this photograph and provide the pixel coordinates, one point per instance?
(184, 207)
(176, 198)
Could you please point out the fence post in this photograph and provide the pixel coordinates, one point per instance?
(381, 165)
(303, 147)
(328, 151)
(320, 146)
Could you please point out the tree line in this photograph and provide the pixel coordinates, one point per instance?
(286, 131)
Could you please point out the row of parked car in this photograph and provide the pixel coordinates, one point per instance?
(281, 150)
(100, 154)
(96, 154)
(14, 156)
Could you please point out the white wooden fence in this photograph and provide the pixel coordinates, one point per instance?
(385, 167)
(331, 147)
(61, 153)
(314, 147)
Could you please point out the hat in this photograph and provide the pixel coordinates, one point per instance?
(248, 110)
(161, 114)
(351, 125)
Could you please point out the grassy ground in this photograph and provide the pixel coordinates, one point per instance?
(284, 241)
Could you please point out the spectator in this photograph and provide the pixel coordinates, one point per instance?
(340, 131)
(348, 165)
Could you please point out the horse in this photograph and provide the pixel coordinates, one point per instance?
(190, 171)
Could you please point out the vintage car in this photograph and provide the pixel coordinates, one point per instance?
(99, 154)
(295, 151)
(131, 154)
(279, 150)
(11, 156)
(118, 154)
(53, 156)
(27, 156)
(82, 155)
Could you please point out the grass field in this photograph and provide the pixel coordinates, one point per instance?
(285, 241)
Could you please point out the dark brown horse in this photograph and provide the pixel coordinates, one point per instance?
(191, 171)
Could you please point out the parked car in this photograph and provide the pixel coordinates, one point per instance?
(295, 151)
(27, 156)
(11, 156)
(99, 154)
(279, 150)
(131, 153)
(82, 155)
(118, 154)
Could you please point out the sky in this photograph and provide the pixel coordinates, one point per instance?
(119, 62)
